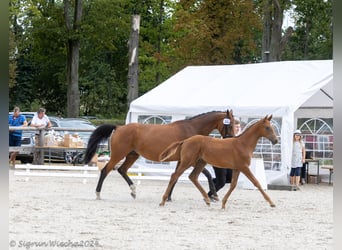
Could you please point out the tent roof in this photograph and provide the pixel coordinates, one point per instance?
(276, 88)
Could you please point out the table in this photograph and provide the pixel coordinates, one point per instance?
(331, 171)
(308, 161)
(62, 150)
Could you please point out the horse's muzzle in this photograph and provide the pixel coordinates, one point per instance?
(274, 141)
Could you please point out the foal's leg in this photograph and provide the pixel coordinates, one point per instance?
(212, 188)
(235, 177)
(194, 178)
(130, 159)
(201, 164)
(174, 177)
(256, 183)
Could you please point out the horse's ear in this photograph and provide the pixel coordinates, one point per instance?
(270, 117)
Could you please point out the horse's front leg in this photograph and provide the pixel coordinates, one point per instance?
(130, 159)
(233, 184)
(194, 178)
(256, 183)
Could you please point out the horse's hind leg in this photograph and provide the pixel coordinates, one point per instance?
(170, 194)
(211, 184)
(256, 183)
(235, 177)
(130, 159)
(104, 173)
(174, 177)
(200, 164)
(194, 178)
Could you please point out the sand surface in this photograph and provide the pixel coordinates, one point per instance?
(62, 213)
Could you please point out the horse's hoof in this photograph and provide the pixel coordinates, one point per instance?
(207, 202)
(273, 205)
(214, 198)
(98, 197)
(169, 200)
(161, 204)
(133, 193)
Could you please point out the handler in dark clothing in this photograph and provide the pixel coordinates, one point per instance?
(224, 175)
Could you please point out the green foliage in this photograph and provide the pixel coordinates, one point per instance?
(312, 38)
(173, 34)
(215, 32)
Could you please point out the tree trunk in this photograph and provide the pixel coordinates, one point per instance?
(133, 67)
(73, 48)
(266, 35)
(273, 43)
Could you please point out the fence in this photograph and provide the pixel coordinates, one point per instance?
(84, 172)
(38, 149)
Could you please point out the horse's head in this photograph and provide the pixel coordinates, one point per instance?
(268, 130)
(226, 127)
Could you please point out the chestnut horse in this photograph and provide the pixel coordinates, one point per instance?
(149, 140)
(234, 153)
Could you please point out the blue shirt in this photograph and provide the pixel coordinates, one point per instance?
(16, 121)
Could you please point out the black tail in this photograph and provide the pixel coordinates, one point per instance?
(99, 134)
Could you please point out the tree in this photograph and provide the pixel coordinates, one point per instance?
(215, 32)
(273, 40)
(133, 63)
(312, 37)
(73, 25)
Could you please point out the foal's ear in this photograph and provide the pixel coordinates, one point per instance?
(270, 117)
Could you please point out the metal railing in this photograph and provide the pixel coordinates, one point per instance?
(37, 149)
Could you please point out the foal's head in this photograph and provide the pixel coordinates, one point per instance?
(226, 128)
(267, 130)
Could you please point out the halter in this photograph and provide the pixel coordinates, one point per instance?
(226, 125)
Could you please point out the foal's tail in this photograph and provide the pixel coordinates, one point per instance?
(99, 134)
(172, 152)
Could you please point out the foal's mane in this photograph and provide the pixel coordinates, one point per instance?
(196, 116)
(248, 128)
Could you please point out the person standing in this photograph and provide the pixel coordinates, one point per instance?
(298, 158)
(40, 119)
(16, 119)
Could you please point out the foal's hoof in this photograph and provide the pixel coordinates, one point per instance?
(207, 202)
(134, 195)
(169, 199)
(273, 205)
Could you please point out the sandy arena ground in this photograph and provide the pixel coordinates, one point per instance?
(62, 213)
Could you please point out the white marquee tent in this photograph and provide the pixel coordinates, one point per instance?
(251, 90)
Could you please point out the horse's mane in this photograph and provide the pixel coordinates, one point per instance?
(248, 128)
(196, 116)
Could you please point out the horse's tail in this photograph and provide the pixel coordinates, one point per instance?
(99, 134)
(172, 152)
